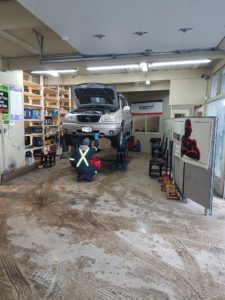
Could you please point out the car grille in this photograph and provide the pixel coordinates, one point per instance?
(88, 118)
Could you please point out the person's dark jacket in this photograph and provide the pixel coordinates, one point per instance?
(80, 159)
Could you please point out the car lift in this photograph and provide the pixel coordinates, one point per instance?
(121, 161)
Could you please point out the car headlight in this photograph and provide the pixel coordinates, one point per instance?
(108, 118)
(70, 118)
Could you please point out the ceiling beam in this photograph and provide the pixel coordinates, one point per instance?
(135, 77)
(19, 26)
(154, 86)
(29, 63)
(18, 42)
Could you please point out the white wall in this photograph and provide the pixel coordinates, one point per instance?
(12, 142)
(187, 91)
(145, 137)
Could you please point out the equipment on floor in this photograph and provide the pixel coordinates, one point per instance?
(48, 157)
(121, 161)
(96, 162)
(171, 192)
(137, 146)
(156, 147)
(159, 160)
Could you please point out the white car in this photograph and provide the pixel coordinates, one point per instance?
(99, 108)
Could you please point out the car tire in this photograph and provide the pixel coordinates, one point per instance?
(117, 140)
(130, 129)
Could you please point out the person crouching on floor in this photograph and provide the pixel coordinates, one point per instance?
(81, 158)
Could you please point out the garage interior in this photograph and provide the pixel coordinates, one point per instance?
(118, 237)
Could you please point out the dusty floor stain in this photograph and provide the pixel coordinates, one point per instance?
(115, 238)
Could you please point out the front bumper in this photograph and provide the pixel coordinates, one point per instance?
(104, 130)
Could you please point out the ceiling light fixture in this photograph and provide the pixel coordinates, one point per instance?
(115, 67)
(99, 36)
(54, 73)
(178, 63)
(144, 66)
(147, 82)
(140, 33)
(185, 29)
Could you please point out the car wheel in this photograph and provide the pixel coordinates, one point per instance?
(117, 140)
(130, 129)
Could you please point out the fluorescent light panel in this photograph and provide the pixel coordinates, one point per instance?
(115, 67)
(144, 66)
(179, 62)
(57, 71)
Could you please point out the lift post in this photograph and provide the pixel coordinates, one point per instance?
(121, 161)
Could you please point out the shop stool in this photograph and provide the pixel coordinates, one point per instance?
(48, 160)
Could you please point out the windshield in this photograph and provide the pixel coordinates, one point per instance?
(101, 97)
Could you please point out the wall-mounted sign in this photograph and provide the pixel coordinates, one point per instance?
(16, 103)
(192, 138)
(147, 107)
(4, 103)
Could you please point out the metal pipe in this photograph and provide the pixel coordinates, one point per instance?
(147, 53)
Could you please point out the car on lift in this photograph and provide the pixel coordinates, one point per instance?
(98, 108)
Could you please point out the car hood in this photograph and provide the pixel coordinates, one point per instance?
(95, 96)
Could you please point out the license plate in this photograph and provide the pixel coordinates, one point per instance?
(86, 129)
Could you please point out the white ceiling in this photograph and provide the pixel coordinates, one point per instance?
(79, 20)
(17, 38)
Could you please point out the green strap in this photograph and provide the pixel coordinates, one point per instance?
(83, 158)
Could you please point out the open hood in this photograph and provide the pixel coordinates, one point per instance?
(95, 95)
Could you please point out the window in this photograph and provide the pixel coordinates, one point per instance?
(146, 123)
(152, 123)
(179, 115)
(214, 85)
(222, 87)
(217, 108)
(139, 123)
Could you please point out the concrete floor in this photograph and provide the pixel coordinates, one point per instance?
(115, 238)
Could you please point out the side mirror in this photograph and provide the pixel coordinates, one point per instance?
(126, 108)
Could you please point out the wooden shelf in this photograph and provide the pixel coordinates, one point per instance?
(35, 148)
(52, 106)
(50, 91)
(45, 99)
(64, 99)
(63, 92)
(32, 85)
(49, 145)
(33, 120)
(51, 116)
(51, 134)
(34, 134)
(33, 105)
(32, 95)
(54, 99)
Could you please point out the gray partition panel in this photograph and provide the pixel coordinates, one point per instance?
(195, 182)
(197, 185)
(178, 170)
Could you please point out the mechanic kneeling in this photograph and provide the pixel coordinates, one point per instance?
(81, 158)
